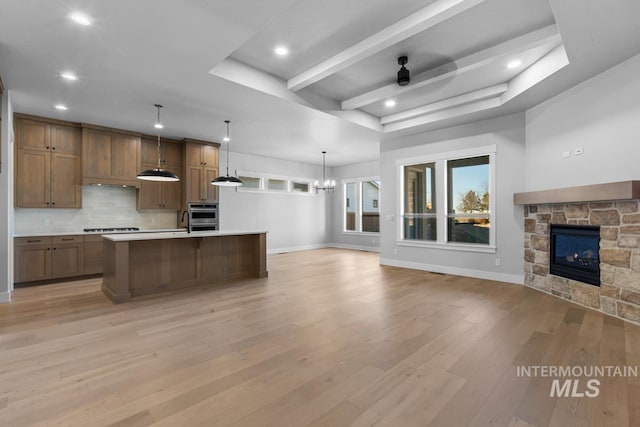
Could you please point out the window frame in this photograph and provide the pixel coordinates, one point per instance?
(358, 203)
(441, 199)
(264, 184)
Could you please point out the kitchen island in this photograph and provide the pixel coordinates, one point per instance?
(147, 263)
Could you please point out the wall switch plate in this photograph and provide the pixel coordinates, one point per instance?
(578, 151)
(498, 262)
(389, 217)
(566, 154)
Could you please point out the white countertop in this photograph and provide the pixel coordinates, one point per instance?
(129, 237)
(84, 233)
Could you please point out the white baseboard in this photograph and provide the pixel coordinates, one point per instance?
(5, 297)
(478, 274)
(296, 248)
(355, 247)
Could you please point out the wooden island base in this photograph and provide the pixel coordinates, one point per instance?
(148, 263)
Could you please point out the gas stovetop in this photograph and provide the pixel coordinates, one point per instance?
(110, 230)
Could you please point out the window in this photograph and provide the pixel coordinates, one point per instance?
(251, 182)
(447, 200)
(361, 209)
(468, 196)
(277, 185)
(300, 187)
(267, 183)
(419, 202)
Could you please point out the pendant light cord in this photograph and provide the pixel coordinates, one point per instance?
(324, 169)
(158, 106)
(228, 140)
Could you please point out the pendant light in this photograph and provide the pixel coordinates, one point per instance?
(158, 174)
(327, 184)
(227, 181)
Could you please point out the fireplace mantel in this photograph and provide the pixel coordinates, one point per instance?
(623, 190)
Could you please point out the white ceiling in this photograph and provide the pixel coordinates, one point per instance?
(211, 60)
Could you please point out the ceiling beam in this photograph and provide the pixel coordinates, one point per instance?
(433, 14)
(477, 95)
(444, 114)
(498, 52)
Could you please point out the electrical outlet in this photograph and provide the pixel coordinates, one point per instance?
(498, 262)
(578, 151)
(395, 252)
(566, 154)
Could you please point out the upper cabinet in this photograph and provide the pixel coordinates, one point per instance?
(48, 167)
(161, 195)
(201, 167)
(110, 157)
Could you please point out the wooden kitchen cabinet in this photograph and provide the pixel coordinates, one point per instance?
(201, 167)
(46, 257)
(67, 256)
(47, 165)
(161, 195)
(92, 254)
(110, 157)
(32, 259)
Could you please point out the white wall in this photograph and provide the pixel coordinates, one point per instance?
(338, 237)
(102, 206)
(6, 200)
(508, 134)
(600, 115)
(294, 221)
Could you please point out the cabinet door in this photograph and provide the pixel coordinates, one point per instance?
(32, 262)
(149, 152)
(194, 181)
(66, 139)
(66, 260)
(92, 255)
(171, 155)
(193, 153)
(171, 195)
(34, 135)
(211, 190)
(126, 156)
(210, 156)
(66, 181)
(149, 194)
(97, 153)
(33, 177)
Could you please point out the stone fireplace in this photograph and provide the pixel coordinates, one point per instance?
(619, 250)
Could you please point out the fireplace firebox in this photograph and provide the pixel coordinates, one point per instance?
(575, 252)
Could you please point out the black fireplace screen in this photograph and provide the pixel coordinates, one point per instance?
(575, 253)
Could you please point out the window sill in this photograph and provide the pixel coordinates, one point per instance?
(448, 246)
(361, 233)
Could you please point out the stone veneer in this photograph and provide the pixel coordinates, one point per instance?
(619, 292)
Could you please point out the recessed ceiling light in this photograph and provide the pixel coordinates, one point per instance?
(61, 107)
(514, 64)
(81, 18)
(158, 126)
(69, 76)
(390, 103)
(226, 139)
(281, 50)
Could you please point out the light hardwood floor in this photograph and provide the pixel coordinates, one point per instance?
(329, 339)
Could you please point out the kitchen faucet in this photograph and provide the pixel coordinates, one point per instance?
(182, 220)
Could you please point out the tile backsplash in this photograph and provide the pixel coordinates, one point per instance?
(102, 206)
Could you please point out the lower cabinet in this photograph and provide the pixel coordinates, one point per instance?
(43, 258)
(92, 255)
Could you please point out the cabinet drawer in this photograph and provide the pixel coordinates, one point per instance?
(27, 241)
(67, 239)
(93, 238)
